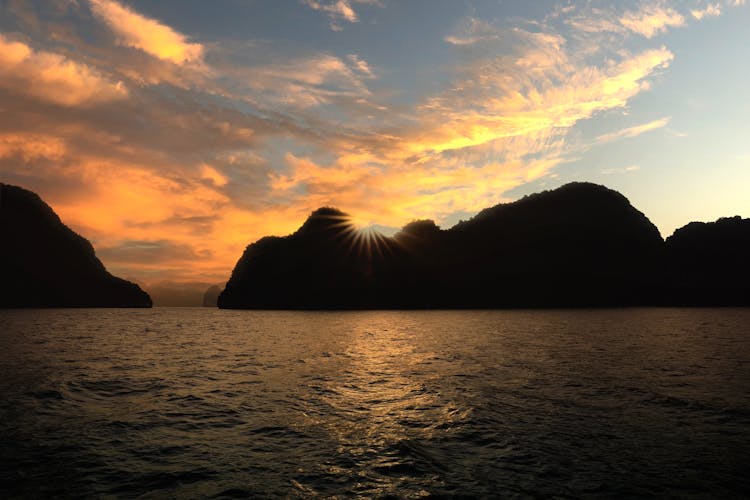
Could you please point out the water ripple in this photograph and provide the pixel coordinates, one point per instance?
(174, 403)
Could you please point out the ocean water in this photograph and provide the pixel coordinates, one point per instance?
(176, 403)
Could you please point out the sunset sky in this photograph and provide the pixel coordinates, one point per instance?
(172, 133)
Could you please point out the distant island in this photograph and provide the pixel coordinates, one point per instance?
(581, 245)
(211, 297)
(43, 263)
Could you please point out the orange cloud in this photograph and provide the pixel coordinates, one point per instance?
(523, 106)
(395, 195)
(52, 77)
(210, 173)
(504, 128)
(30, 147)
(125, 202)
(137, 31)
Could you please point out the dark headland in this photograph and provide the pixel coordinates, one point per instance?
(43, 263)
(581, 245)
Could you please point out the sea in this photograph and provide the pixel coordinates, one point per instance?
(207, 403)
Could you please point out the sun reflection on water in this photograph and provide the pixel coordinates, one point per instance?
(387, 406)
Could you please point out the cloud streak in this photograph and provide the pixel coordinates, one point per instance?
(634, 131)
(137, 31)
(651, 20)
(338, 10)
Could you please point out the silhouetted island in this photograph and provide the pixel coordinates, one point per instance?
(709, 263)
(43, 263)
(581, 245)
(211, 297)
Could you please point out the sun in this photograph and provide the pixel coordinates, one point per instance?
(360, 236)
(364, 240)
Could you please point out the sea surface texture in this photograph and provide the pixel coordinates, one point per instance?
(175, 403)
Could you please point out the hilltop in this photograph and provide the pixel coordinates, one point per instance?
(46, 264)
(580, 245)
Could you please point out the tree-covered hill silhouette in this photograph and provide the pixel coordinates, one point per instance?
(43, 263)
(709, 263)
(579, 245)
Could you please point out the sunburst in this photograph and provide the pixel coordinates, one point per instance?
(360, 237)
(366, 241)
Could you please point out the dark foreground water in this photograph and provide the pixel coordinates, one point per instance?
(204, 403)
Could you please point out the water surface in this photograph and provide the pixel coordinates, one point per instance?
(209, 403)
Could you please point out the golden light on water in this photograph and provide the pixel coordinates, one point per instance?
(380, 396)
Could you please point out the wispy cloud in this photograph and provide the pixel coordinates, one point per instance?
(338, 10)
(214, 176)
(711, 10)
(502, 124)
(623, 170)
(151, 36)
(651, 19)
(473, 30)
(53, 77)
(305, 82)
(647, 19)
(361, 65)
(28, 147)
(634, 131)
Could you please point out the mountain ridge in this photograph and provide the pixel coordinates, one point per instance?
(44, 263)
(580, 245)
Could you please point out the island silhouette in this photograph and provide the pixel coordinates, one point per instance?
(43, 263)
(211, 296)
(708, 263)
(581, 245)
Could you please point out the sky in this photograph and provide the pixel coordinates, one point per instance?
(173, 133)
